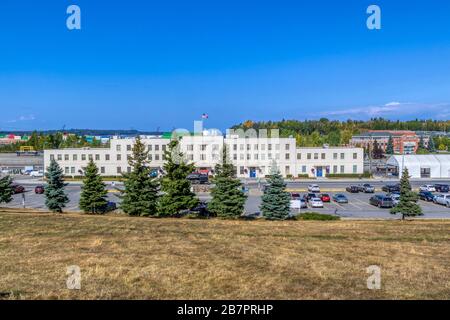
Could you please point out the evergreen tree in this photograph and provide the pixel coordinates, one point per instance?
(175, 185)
(93, 194)
(275, 201)
(55, 196)
(408, 199)
(377, 152)
(6, 190)
(228, 199)
(390, 146)
(421, 143)
(140, 197)
(431, 145)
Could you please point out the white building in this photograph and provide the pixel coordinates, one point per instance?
(422, 166)
(252, 156)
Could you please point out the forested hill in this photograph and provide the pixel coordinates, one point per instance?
(334, 132)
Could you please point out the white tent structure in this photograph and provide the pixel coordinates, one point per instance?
(422, 166)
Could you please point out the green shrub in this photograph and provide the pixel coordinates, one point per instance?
(350, 175)
(317, 216)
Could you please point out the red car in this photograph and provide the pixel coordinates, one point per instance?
(18, 189)
(39, 189)
(325, 197)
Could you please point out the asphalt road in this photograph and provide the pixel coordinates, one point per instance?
(358, 206)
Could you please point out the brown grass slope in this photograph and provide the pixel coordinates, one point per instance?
(142, 258)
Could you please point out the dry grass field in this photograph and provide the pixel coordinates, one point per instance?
(142, 258)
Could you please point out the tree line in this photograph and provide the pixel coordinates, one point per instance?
(315, 133)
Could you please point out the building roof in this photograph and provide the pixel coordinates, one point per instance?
(417, 160)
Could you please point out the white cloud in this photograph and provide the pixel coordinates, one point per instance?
(29, 117)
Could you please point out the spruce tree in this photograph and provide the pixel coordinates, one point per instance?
(228, 199)
(55, 195)
(431, 145)
(177, 195)
(407, 205)
(275, 201)
(93, 194)
(377, 152)
(390, 146)
(140, 197)
(6, 190)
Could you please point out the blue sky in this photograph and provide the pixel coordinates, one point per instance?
(161, 64)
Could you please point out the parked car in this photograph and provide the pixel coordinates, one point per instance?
(340, 198)
(198, 178)
(201, 210)
(426, 195)
(309, 196)
(39, 189)
(325, 197)
(391, 188)
(395, 198)
(295, 196)
(381, 201)
(427, 187)
(18, 188)
(316, 203)
(366, 188)
(303, 203)
(36, 173)
(313, 188)
(443, 199)
(110, 206)
(442, 188)
(352, 189)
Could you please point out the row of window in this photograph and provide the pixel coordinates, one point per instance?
(96, 157)
(150, 147)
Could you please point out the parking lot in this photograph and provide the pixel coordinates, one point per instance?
(358, 206)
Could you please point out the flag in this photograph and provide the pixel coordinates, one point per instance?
(205, 116)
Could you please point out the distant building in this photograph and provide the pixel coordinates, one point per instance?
(6, 139)
(404, 142)
(252, 156)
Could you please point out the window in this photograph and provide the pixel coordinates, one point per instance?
(119, 157)
(355, 169)
(316, 156)
(202, 157)
(128, 147)
(299, 156)
(91, 157)
(118, 148)
(150, 147)
(235, 156)
(323, 156)
(248, 156)
(255, 147)
(129, 169)
(335, 168)
(425, 172)
(83, 157)
(150, 157)
(303, 169)
(241, 170)
(235, 147)
(277, 147)
(269, 146)
(52, 157)
(97, 157)
(107, 157)
(249, 147)
(119, 170)
(308, 156)
(190, 147)
(256, 156)
(66, 157)
(287, 156)
(263, 147)
(66, 170)
(355, 155)
(288, 170)
(128, 157)
(342, 169)
(342, 156)
(241, 147)
(277, 156)
(287, 146)
(156, 157)
(75, 157)
(72, 170)
(269, 156)
(241, 156)
(190, 157)
(203, 147)
(335, 156)
(102, 170)
(263, 156)
(156, 147)
(59, 157)
(163, 147)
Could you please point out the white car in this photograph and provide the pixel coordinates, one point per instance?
(313, 188)
(443, 199)
(36, 173)
(316, 203)
(427, 187)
